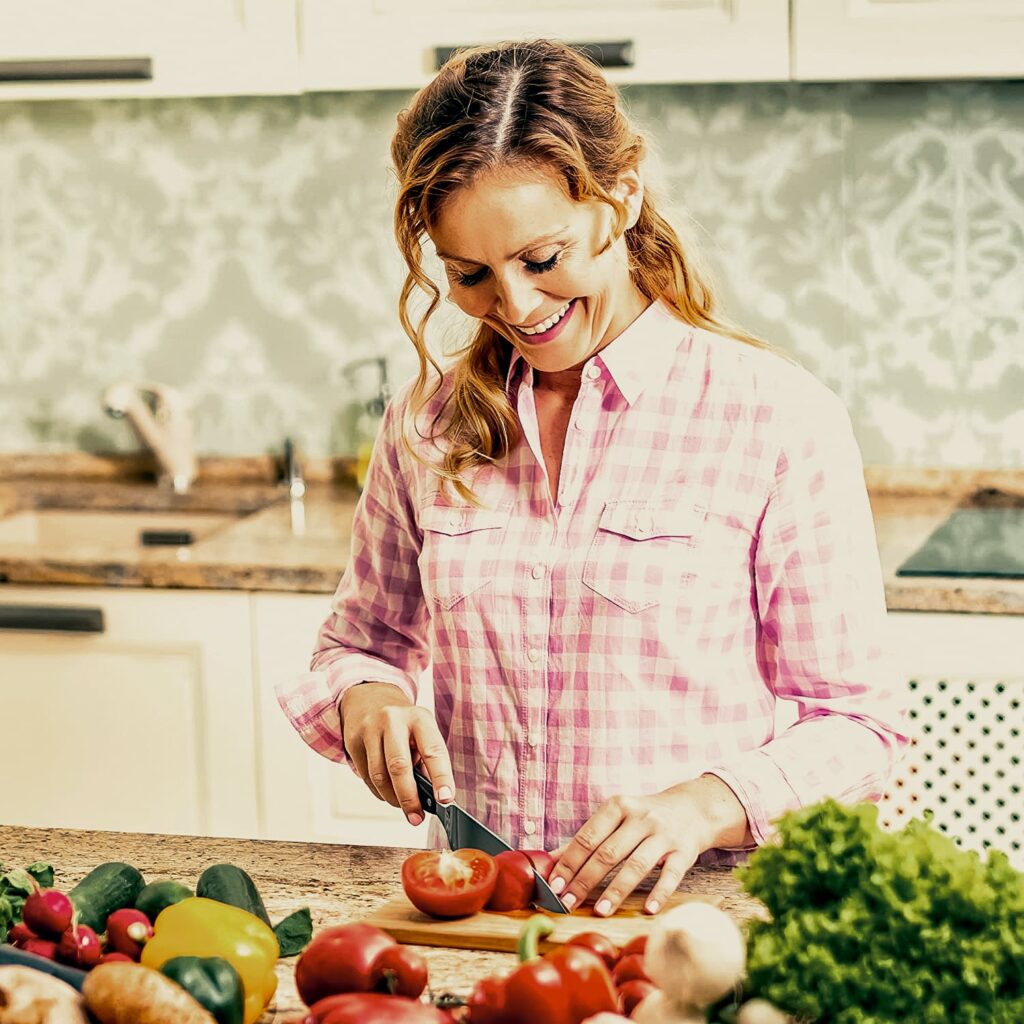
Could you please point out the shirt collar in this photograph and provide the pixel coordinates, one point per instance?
(639, 358)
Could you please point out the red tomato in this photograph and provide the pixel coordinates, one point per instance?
(543, 862)
(630, 968)
(637, 944)
(449, 883)
(599, 944)
(340, 959)
(516, 882)
(632, 994)
(399, 971)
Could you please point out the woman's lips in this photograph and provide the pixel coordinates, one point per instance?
(552, 332)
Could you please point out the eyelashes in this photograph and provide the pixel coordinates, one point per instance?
(468, 280)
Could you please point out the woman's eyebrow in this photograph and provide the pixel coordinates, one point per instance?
(515, 255)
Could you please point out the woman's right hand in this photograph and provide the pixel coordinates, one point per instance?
(385, 735)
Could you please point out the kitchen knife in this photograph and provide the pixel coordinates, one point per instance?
(465, 832)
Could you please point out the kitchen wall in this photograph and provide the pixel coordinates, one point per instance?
(241, 249)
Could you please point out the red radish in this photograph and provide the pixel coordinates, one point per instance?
(48, 912)
(80, 947)
(110, 958)
(20, 933)
(127, 931)
(41, 947)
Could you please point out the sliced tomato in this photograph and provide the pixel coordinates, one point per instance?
(449, 883)
(516, 882)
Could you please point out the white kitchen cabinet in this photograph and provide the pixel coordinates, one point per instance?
(190, 47)
(147, 726)
(392, 44)
(307, 797)
(907, 39)
(965, 688)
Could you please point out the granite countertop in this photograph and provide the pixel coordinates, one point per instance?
(340, 884)
(245, 539)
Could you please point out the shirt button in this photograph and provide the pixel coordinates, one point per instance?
(538, 572)
(534, 739)
(593, 372)
(529, 828)
(533, 654)
(453, 521)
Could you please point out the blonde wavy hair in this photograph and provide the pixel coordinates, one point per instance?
(539, 105)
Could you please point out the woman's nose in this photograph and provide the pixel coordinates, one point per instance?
(516, 299)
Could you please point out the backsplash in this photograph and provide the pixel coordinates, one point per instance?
(241, 250)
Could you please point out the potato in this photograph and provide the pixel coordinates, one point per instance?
(28, 996)
(123, 993)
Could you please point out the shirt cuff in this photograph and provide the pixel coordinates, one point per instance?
(762, 788)
(310, 701)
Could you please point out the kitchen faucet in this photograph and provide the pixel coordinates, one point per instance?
(159, 415)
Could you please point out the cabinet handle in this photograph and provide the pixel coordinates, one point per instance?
(78, 69)
(51, 618)
(604, 55)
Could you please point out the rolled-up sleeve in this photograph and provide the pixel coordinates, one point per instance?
(821, 632)
(376, 629)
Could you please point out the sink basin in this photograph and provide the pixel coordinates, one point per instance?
(72, 532)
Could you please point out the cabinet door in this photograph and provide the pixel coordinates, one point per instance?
(56, 48)
(306, 797)
(897, 39)
(146, 726)
(965, 691)
(389, 44)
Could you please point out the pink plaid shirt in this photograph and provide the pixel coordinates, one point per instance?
(712, 549)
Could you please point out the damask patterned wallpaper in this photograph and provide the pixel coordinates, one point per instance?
(241, 250)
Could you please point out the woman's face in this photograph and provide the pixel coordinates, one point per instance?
(519, 253)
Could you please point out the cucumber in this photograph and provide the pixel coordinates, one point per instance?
(226, 883)
(105, 889)
(158, 896)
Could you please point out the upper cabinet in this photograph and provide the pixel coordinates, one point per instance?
(903, 39)
(52, 49)
(398, 44)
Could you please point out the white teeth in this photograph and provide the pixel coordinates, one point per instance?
(546, 325)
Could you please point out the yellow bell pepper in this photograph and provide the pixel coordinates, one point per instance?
(202, 927)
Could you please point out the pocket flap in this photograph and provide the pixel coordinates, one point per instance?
(645, 520)
(454, 520)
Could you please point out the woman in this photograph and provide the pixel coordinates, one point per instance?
(618, 528)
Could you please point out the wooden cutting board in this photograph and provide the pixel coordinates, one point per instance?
(498, 932)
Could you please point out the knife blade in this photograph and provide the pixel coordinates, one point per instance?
(466, 832)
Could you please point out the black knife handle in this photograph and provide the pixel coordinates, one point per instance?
(425, 790)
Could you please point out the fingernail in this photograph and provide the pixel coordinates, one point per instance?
(569, 901)
(653, 906)
(557, 885)
(604, 908)
(444, 794)
(415, 818)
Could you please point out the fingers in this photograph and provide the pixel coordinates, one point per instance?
(595, 850)
(675, 867)
(429, 744)
(387, 744)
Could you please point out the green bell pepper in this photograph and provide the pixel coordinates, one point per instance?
(212, 982)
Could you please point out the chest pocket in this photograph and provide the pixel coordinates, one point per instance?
(644, 552)
(461, 550)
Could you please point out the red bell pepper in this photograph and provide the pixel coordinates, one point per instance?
(375, 1008)
(567, 986)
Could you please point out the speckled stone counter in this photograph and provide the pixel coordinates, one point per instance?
(339, 884)
(259, 549)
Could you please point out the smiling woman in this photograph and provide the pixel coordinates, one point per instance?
(618, 528)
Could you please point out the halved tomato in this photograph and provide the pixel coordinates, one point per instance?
(449, 883)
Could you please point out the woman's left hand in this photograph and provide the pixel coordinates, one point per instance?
(639, 833)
